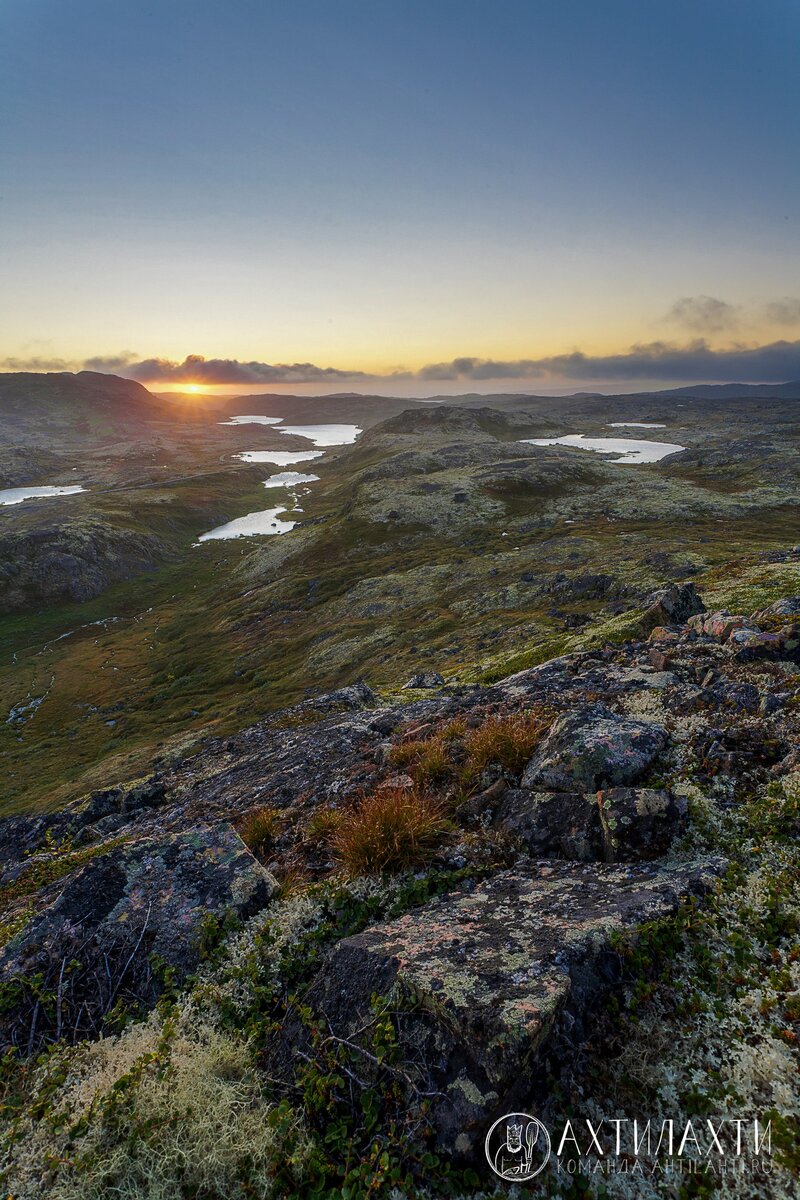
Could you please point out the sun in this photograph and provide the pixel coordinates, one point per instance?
(193, 387)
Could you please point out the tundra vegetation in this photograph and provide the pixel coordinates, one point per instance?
(257, 916)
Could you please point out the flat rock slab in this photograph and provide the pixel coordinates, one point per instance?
(495, 970)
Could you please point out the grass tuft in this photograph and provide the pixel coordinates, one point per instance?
(427, 760)
(259, 829)
(509, 741)
(389, 831)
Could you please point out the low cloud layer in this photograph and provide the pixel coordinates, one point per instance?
(695, 363)
(659, 361)
(196, 369)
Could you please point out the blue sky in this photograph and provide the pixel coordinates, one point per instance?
(383, 189)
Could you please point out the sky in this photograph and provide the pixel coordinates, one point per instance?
(401, 196)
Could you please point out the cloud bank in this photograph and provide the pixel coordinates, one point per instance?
(696, 363)
(652, 362)
(196, 369)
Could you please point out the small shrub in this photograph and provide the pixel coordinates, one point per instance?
(508, 740)
(389, 831)
(259, 829)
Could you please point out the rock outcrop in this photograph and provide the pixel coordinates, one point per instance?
(95, 941)
(490, 973)
(568, 846)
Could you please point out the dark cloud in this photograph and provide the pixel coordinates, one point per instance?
(196, 369)
(785, 311)
(703, 314)
(111, 362)
(696, 363)
(478, 368)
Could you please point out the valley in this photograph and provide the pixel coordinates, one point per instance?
(442, 518)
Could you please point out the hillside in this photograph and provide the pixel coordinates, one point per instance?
(63, 408)
(459, 794)
(372, 915)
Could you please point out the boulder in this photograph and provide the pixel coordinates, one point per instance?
(97, 939)
(718, 624)
(639, 823)
(672, 605)
(593, 748)
(492, 978)
(789, 606)
(749, 645)
(425, 679)
(615, 825)
(666, 633)
(559, 824)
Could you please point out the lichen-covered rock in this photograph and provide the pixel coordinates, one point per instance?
(616, 825)
(750, 645)
(718, 624)
(666, 633)
(96, 940)
(789, 606)
(559, 824)
(594, 748)
(639, 823)
(671, 605)
(489, 972)
(425, 679)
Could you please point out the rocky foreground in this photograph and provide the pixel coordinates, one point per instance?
(569, 808)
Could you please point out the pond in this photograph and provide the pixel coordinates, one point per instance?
(633, 451)
(279, 458)
(268, 522)
(289, 479)
(262, 523)
(634, 425)
(253, 420)
(325, 435)
(17, 495)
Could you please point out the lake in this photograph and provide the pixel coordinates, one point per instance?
(268, 523)
(325, 435)
(17, 495)
(253, 420)
(633, 451)
(262, 523)
(289, 479)
(279, 458)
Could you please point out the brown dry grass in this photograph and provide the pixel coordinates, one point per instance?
(391, 830)
(259, 829)
(507, 740)
(427, 760)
